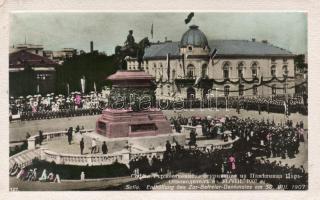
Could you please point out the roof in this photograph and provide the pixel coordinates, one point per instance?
(224, 47)
(22, 58)
(194, 37)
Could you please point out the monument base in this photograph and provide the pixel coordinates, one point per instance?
(145, 143)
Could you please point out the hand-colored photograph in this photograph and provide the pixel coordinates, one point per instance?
(102, 101)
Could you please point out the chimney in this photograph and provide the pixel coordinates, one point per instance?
(253, 39)
(265, 41)
(91, 46)
(165, 39)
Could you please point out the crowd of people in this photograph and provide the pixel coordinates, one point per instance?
(237, 161)
(273, 104)
(276, 140)
(56, 106)
(77, 104)
(270, 104)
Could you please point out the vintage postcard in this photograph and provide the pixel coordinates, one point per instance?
(161, 101)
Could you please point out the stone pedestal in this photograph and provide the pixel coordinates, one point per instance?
(130, 112)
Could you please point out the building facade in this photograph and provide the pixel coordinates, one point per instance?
(198, 68)
(30, 73)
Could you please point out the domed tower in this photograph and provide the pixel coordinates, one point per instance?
(194, 42)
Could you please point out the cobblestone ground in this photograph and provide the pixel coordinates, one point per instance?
(18, 130)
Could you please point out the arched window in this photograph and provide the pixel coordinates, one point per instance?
(204, 71)
(274, 89)
(240, 69)
(191, 93)
(254, 68)
(226, 90)
(173, 74)
(190, 71)
(273, 70)
(225, 69)
(241, 88)
(255, 90)
(161, 89)
(285, 70)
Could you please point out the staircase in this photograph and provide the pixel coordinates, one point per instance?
(24, 158)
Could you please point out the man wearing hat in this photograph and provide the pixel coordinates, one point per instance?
(130, 39)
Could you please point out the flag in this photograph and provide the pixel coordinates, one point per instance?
(94, 87)
(285, 108)
(261, 80)
(189, 18)
(83, 84)
(68, 88)
(213, 54)
(151, 31)
(184, 71)
(197, 81)
(168, 66)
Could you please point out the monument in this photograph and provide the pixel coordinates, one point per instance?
(131, 115)
(130, 112)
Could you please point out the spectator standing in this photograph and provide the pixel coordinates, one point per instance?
(104, 148)
(81, 146)
(69, 134)
(40, 137)
(93, 145)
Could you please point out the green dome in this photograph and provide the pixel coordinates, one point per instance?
(194, 37)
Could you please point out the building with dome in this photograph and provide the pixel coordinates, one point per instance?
(198, 68)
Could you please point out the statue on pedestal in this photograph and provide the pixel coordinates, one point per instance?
(131, 49)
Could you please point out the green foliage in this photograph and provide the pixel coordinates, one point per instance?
(300, 63)
(94, 66)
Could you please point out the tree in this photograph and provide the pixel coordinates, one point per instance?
(94, 66)
(300, 64)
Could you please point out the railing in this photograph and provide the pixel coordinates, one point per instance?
(90, 159)
(23, 160)
(123, 156)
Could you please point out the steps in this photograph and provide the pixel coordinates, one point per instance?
(24, 158)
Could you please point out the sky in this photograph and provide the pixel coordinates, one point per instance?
(57, 30)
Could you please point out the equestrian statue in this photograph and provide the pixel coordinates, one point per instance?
(131, 49)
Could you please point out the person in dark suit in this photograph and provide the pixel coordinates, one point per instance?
(104, 148)
(40, 137)
(81, 146)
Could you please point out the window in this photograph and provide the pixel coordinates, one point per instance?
(273, 60)
(285, 60)
(285, 70)
(226, 70)
(204, 71)
(255, 90)
(254, 69)
(240, 69)
(161, 89)
(190, 48)
(226, 90)
(241, 88)
(173, 74)
(273, 70)
(190, 71)
(274, 89)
